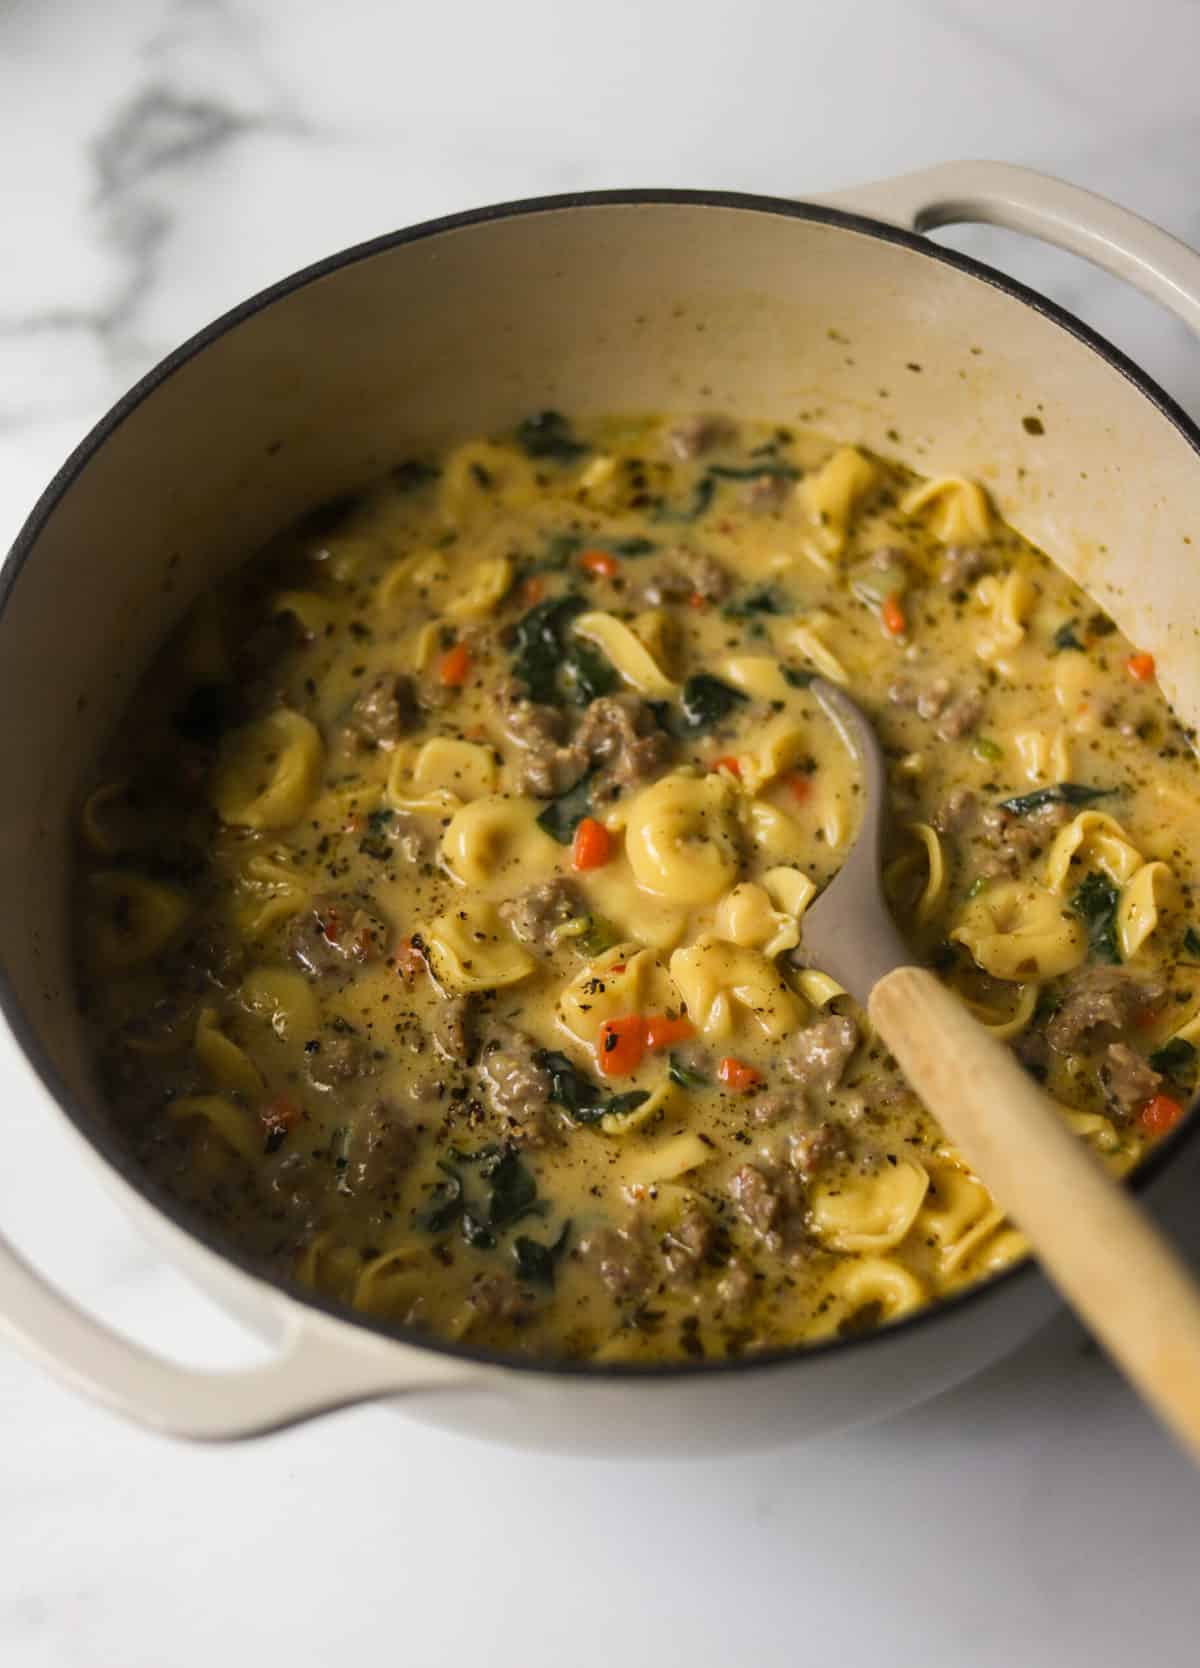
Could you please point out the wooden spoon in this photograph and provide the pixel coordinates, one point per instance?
(1095, 1243)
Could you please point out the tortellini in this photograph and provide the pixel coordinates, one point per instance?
(236, 1127)
(494, 845)
(873, 1213)
(956, 509)
(681, 838)
(486, 588)
(268, 771)
(445, 774)
(1009, 602)
(268, 890)
(469, 949)
(132, 919)
(780, 746)
(284, 999)
(1092, 839)
(747, 916)
(876, 1288)
(725, 985)
(1142, 901)
(808, 639)
(834, 492)
(631, 657)
(624, 980)
(481, 477)
(957, 1214)
(229, 1066)
(1020, 931)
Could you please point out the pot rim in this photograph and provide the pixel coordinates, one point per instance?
(24, 546)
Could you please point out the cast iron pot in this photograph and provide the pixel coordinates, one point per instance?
(835, 313)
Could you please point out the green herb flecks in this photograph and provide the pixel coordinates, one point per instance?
(774, 467)
(766, 599)
(1062, 793)
(548, 435)
(684, 1076)
(584, 1101)
(1095, 903)
(1176, 1060)
(1065, 638)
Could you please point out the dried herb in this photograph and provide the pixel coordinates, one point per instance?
(1062, 793)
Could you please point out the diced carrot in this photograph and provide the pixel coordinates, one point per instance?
(592, 846)
(1146, 1017)
(601, 564)
(617, 967)
(1140, 667)
(1160, 1114)
(622, 1045)
(799, 785)
(454, 667)
(532, 591)
(280, 1113)
(697, 601)
(892, 614)
(727, 762)
(409, 960)
(664, 1032)
(738, 1076)
(331, 925)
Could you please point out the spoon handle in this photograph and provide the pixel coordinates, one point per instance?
(1095, 1243)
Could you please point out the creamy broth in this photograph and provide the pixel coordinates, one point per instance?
(441, 890)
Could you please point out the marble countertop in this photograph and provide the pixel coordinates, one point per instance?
(164, 158)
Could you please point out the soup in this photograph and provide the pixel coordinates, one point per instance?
(442, 888)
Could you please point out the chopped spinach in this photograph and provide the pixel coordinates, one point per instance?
(375, 842)
(706, 701)
(538, 645)
(1062, 793)
(702, 497)
(754, 471)
(205, 714)
(633, 547)
(512, 1191)
(414, 473)
(1177, 1060)
(767, 599)
(563, 815)
(595, 935)
(446, 1202)
(476, 1232)
(1065, 638)
(548, 434)
(536, 1262)
(583, 1100)
(1095, 903)
(1191, 942)
(510, 1194)
(587, 672)
(684, 1075)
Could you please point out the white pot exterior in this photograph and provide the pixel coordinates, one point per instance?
(670, 302)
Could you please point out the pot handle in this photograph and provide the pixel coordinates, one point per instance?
(1022, 200)
(321, 1364)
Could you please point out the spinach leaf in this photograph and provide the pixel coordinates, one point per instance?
(1095, 903)
(684, 1076)
(512, 1191)
(633, 547)
(446, 1204)
(767, 599)
(547, 434)
(538, 645)
(1191, 942)
(596, 934)
(414, 473)
(535, 1262)
(1062, 793)
(1177, 1060)
(706, 701)
(477, 1233)
(587, 671)
(563, 815)
(754, 471)
(582, 1099)
(1065, 638)
(702, 497)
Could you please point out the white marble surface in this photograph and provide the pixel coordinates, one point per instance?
(163, 158)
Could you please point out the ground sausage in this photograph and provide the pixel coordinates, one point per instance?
(961, 717)
(621, 735)
(812, 1149)
(1100, 1004)
(536, 915)
(336, 933)
(1129, 1079)
(961, 564)
(452, 1030)
(685, 573)
(766, 494)
(619, 1258)
(497, 1297)
(378, 1149)
(516, 1086)
(1012, 844)
(696, 435)
(955, 812)
(767, 1202)
(737, 1284)
(822, 1052)
(689, 1243)
(546, 766)
(333, 1061)
(384, 712)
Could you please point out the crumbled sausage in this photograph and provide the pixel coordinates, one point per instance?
(767, 1202)
(684, 573)
(1012, 844)
(767, 494)
(696, 435)
(961, 717)
(333, 1061)
(618, 1257)
(546, 767)
(737, 1284)
(452, 1029)
(1129, 1079)
(1100, 1004)
(961, 564)
(336, 934)
(384, 712)
(497, 1297)
(377, 1151)
(822, 1052)
(516, 1086)
(621, 735)
(689, 1243)
(955, 812)
(812, 1149)
(536, 915)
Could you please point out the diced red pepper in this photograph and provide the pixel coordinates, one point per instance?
(799, 785)
(1141, 667)
(601, 564)
(454, 668)
(409, 960)
(592, 845)
(1160, 1114)
(738, 1076)
(664, 1032)
(893, 617)
(728, 762)
(622, 1045)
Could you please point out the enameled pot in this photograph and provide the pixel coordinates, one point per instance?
(834, 313)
